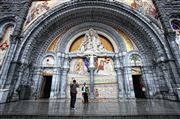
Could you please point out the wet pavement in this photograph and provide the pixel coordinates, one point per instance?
(96, 108)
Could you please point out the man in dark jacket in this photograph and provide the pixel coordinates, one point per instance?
(73, 92)
(18, 90)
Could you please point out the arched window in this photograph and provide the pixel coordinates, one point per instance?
(5, 42)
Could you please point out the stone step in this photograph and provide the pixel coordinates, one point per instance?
(90, 117)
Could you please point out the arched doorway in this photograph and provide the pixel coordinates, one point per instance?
(106, 17)
(48, 63)
(138, 83)
(46, 87)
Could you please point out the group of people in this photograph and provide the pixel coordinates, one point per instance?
(73, 93)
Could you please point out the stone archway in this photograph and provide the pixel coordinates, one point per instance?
(141, 30)
(101, 68)
(118, 19)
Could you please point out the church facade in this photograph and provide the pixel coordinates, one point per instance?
(122, 49)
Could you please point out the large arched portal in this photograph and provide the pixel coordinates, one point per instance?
(120, 30)
(104, 75)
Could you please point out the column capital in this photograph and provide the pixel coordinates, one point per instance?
(117, 63)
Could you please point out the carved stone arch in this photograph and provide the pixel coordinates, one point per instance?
(40, 61)
(149, 26)
(136, 43)
(68, 15)
(4, 26)
(6, 21)
(7, 18)
(174, 17)
(111, 34)
(134, 52)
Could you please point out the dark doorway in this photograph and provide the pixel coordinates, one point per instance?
(138, 86)
(46, 87)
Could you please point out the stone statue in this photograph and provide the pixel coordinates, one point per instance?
(91, 42)
(91, 60)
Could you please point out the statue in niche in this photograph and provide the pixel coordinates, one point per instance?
(91, 43)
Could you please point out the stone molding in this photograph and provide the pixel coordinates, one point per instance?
(69, 15)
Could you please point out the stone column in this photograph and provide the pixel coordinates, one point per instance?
(156, 79)
(58, 64)
(58, 85)
(65, 70)
(120, 79)
(166, 76)
(147, 81)
(37, 82)
(12, 85)
(129, 82)
(20, 75)
(54, 90)
(91, 68)
(175, 74)
(92, 96)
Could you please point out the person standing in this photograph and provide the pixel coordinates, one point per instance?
(73, 93)
(18, 90)
(85, 91)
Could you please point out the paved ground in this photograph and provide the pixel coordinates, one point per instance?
(97, 108)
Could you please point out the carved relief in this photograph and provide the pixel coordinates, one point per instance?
(91, 42)
(48, 61)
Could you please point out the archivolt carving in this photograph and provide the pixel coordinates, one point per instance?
(60, 19)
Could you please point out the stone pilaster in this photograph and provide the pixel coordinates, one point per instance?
(65, 70)
(54, 85)
(59, 66)
(37, 82)
(166, 75)
(120, 79)
(91, 83)
(148, 81)
(18, 82)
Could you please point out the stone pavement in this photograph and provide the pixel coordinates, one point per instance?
(97, 108)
